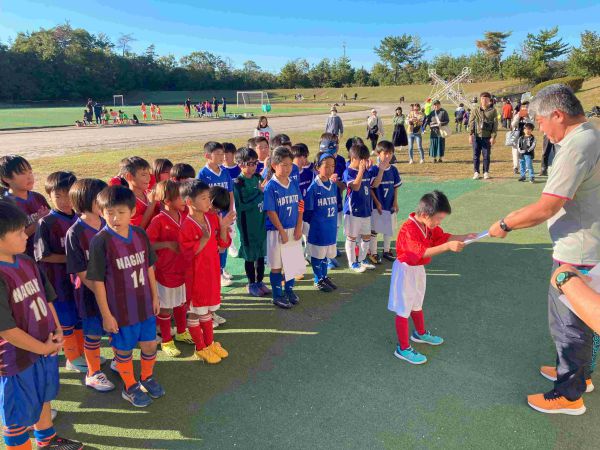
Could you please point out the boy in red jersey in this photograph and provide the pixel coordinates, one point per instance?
(136, 172)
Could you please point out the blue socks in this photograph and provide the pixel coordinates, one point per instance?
(317, 266)
(324, 267)
(289, 285)
(276, 279)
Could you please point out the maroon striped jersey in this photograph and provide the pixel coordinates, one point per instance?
(50, 238)
(24, 297)
(77, 244)
(30, 207)
(122, 264)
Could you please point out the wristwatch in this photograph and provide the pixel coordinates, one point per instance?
(562, 278)
(504, 226)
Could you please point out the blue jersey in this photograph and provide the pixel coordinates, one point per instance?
(385, 191)
(305, 178)
(321, 204)
(340, 168)
(294, 176)
(284, 201)
(260, 167)
(234, 171)
(358, 203)
(211, 178)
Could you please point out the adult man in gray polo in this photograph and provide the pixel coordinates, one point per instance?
(570, 203)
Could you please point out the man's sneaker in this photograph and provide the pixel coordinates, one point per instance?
(225, 282)
(486, 176)
(292, 297)
(373, 259)
(136, 396)
(282, 302)
(554, 403)
(184, 337)
(410, 161)
(426, 338)
(410, 355)
(264, 288)
(152, 387)
(322, 286)
(218, 350)
(169, 348)
(330, 283)
(389, 256)
(77, 365)
(220, 320)
(521, 179)
(226, 274)
(233, 252)
(61, 443)
(421, 161)
(332, 263)
(367, 265)
(254, 290)
(207, 356)
(358, 267)
(99, 382)
(476, 176)
(549, 372)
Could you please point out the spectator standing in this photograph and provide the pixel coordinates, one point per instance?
(483, 127)
(507, 113)
(334, 124)
(374, 128)
(518, 123)
(437, 119)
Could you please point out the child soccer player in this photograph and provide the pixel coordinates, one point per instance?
(202, 233)
(304, 178)
(526, 146)
(234, 171)
(16, 175)
(161, 171)
(320, 204)
(50, 252)
(261, 145)
(358, 205)
(163, 233)
(419, 239)
(144, 112)
(136, 172)
(182, 172)
(283, 204)
(385, 199)
(121, 269)
(30, 338)
(158, 113)
(83, 195)
(152, 111)
(249, 197)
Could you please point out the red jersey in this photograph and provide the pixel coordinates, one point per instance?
(414, 239)
(140, 209)
(203, 277)
(170, 267)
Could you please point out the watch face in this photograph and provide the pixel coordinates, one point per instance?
(561, 277)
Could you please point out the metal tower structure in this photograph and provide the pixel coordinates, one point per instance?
(449, 89)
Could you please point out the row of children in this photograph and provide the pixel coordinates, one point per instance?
(155, 112)
(118, 118)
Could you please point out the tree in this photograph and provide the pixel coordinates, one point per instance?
(515, 66)
(124, 41)
(585, 60)
(493, 44)
(361, 77)
(294, 74)
(399, 51)
(545, 45)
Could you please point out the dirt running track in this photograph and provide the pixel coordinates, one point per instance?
(58, 141)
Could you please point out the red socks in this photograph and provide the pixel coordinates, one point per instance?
(195, 330)
(164, 323)
(180, 314)
(419, 321)
(207, 330)
(402, 332)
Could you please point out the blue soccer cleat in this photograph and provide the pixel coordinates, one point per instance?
(282, 302)
(332, 263)
(426, 338)
(136, 396)
(292, 297)
(357, 267)
(152, 387)
(410, 355)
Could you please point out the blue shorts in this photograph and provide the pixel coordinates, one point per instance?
(128, 337)
(67, 313)
(23, 395)
(92, 326)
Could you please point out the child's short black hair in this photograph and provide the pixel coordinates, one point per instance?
(192, 189)
(113, 196)
(244, 154)
(280, 139)
(132, 164)
(161, 165)
(10, 165)
(251, 143)
(228, 147)
(354, 140)
(279, 154)
(59, 181)
(211, 146)
(84, 193)
(219, 198)
(182, 171)
(300, 150)
(359, 151)
(433, 203)
(384, 146)
(529, 126)
(11, 217)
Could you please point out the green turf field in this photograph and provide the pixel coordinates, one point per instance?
(323, 375)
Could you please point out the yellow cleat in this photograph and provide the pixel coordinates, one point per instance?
(169, 349)
(184, 337)
(207, 356)
(216, 348)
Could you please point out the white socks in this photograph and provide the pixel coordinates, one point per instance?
(387, 240)
(363, 249)
(350, 254)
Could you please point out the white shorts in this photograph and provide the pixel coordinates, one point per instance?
(407, 289)
(274, 248)
(357, 226)
(322, 251)
(203, 310)
(170, 298)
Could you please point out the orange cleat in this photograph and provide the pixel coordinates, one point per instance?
(553, 403)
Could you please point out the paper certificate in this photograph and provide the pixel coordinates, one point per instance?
(481, 235)
(382, 223)
(292, 259)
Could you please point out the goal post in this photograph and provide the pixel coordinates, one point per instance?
(118, 100)
(248, 99)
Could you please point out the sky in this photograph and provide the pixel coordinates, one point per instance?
(272, 33)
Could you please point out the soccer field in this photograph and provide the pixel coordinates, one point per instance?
(323, 375)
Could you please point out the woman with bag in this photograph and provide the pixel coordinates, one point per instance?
(438, 121)
(374, 128)
(399, 138)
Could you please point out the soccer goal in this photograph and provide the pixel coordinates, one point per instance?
(118, 100)
(249, 99)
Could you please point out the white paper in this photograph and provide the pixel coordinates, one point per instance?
(594, 274)
(292, 258)
(481, 235)
(382, 223)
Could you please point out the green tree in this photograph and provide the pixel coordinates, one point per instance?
(361, 77)
(585, 60)
(342, 73)
(493, 45)
(294, 74)
(515, 66)
(545, 45)
(398, 51)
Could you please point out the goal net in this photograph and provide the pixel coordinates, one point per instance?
(118, 100)
(252, 98)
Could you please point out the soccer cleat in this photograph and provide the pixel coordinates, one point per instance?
(152, 387)
(207, 356)
(426, 338)
(554, 403)
(331, 284)
(476, 176)
(226, 274)
(136, 396)
(282, 302)
(358, 268)
(410, 355)
(170, 349)
(264, 288)
(225, 282)
(322, 286)
(233, 252)
(184, 337)
(254, 290)
(332, 263)
(77, 365)
(99, 382)
(292, 297)
(218, 350)
(389, 256)
(549, 372)
(60, 443)
(486, 176)
(373, 259)
(367, 265)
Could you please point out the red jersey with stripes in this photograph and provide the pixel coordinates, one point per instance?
(170, 266)
(31, 207)
(141, 205)
(414, 239)
(122, 265)
(24, 297)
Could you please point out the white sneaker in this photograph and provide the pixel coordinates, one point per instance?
(476, 176)
(422, 161)
(367, 265)
(486, 176)
(215, 324)
(220, 320)
(78, 365)
(225, 281)
(411, 162)
(227, 275)
(233, 252)
(99, 382)
(358, 268)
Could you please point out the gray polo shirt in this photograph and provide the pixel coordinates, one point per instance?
(575, 176)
